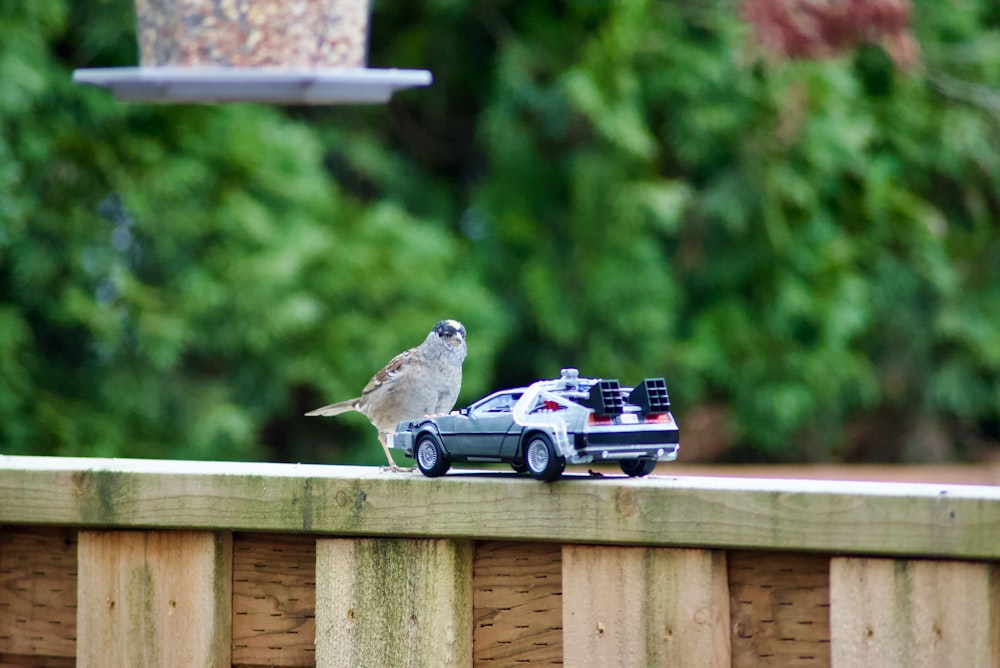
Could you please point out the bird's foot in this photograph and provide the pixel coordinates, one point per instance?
(395, 468)
(595, 474)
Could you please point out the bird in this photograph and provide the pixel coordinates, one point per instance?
(422, 381)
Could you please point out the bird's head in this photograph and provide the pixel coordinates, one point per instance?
(450, 331)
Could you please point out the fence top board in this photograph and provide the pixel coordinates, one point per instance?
(956, 521)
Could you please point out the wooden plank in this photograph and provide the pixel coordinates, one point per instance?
(780, 609)
(27, 661)
(914, 613)
(154, 598)
(980, 473)
(37, 592)
(634, 606)
(517, 604)
(274, 600)
(853, 517)
(393, 602)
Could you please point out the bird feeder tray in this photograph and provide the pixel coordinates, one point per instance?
(276, 51)
(272, 85)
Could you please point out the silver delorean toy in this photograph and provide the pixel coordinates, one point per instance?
(540, 428)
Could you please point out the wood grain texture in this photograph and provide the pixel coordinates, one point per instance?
(154, 598)
(29, 661)
(914, 613)
(517, 604)
(780, 609)
(393, 602)
(633, 606)
(37, 592)
(855, 518)
(274, 600)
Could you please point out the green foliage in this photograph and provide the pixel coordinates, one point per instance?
(626, 187)
(173, 279)
(794, 240)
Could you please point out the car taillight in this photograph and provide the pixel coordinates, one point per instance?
(658, 418)
(595, 419)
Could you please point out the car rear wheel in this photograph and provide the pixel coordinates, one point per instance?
(541, 460)
(431, 460)
(637, 468)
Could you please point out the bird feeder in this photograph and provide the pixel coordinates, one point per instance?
(276, 51)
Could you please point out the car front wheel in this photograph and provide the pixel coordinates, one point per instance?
(431, 460)
(637, 468)
(541, 460)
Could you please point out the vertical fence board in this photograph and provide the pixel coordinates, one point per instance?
(913, 613)
(393, 602)
(517, 603)
(632, 606)
(780, 607)
(274, 600)
(154, 598)
(37, 593)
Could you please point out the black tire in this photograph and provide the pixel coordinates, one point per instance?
(636, 468)
(431, 459)
(540, 458)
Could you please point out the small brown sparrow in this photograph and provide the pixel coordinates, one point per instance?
(419, 382)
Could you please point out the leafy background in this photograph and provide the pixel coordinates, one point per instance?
(808, 250)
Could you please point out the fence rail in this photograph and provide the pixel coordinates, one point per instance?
(166, 563)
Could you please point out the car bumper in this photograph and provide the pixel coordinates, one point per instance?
(666, 452)
(613, 445)
(401, 440)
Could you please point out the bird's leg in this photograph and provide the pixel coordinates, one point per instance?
(392, 465)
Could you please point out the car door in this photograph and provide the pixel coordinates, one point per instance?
(484, 427)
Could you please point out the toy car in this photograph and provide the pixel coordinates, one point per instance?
(540, 428)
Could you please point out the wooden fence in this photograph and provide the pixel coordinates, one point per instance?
(167, 563)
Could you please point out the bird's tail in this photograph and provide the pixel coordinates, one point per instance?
(335, 409)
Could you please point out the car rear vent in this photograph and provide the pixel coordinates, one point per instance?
(651, 396)
(606, 398)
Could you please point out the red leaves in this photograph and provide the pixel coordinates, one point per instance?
(815, 29)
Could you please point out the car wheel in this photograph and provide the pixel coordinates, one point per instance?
(431, 460)
(637, 468)
(541, 460)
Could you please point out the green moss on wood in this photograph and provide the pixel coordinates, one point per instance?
(142, 626)
(100, 494)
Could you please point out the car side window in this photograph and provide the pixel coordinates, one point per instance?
(498, 405)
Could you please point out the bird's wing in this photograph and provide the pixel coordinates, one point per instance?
(337, 408)
(391, 370)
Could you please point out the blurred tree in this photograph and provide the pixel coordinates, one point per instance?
(796, 241)
(808, 247)
(177, 281)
